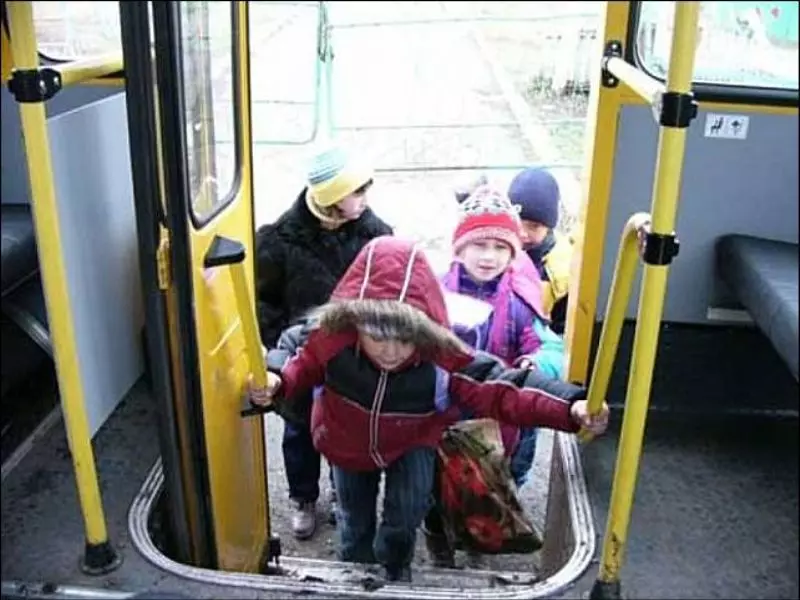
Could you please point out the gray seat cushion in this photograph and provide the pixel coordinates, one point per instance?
(19, 246)
(763, 275)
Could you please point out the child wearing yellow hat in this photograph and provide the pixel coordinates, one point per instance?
(299, 259)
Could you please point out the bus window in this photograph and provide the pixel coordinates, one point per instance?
(211, 132)
(747, 44)
(287, 83)
(74, 30)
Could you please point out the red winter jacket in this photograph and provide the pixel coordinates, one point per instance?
(365, 417)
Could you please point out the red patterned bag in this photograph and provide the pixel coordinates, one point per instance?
(476, 495)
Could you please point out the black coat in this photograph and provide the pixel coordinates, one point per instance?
(298, 263)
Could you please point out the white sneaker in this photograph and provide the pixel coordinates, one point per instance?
(304, 520)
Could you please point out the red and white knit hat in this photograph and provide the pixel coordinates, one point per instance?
(487, 214)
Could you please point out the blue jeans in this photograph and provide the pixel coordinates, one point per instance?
(408, 497)
(522, 459)
(302, 463)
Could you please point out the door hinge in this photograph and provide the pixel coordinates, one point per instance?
(162, 260)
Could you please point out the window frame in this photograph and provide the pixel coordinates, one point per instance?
(199, 221)
(709, 92)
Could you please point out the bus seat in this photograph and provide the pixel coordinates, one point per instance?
(19, 258)
(763, 275)
(22, 294)
(26, 340)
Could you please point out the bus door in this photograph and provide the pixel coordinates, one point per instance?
(202, 123)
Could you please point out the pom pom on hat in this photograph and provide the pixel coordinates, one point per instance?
(465, 190)
(487, 214)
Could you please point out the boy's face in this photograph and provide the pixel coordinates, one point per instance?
(352, 206)
(485, 259)
(533, 233)
(386, 354)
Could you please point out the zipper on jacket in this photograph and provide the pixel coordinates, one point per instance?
(374, 416)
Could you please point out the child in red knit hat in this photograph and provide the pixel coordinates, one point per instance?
(489, 265)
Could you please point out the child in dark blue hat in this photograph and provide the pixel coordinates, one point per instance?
(535, 194)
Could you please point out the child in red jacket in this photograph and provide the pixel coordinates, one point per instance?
(383, 352)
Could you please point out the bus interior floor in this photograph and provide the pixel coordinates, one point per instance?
(25, 406)
(715, 506)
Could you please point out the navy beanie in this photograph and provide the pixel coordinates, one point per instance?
(535, 194)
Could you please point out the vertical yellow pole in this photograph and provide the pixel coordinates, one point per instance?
(671, 145)
(100, 557)
(5, 52)
(598, 170)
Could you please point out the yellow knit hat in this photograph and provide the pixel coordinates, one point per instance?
(333, 175)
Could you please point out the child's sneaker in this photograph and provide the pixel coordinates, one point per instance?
(304, 520)
(439, 551)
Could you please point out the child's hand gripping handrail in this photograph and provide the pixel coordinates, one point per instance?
(231, 253)
(260, 378)
(630, 248)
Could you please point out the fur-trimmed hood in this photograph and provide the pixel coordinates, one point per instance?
(391, 291)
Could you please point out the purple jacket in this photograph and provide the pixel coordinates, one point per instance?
(515, 297)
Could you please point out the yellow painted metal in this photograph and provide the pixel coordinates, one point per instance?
(249, 325)
(83, 70)
(235, 447)
(51, 262)
(6, 60)
(106, 82)
(646, 87)
(621, 285)
(590, 231)
(671, 145)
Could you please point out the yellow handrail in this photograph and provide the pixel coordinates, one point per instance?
(647, 87)
(671, 144)
(621, 284)
(249, 325)
(100, 557)
(83, 70)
